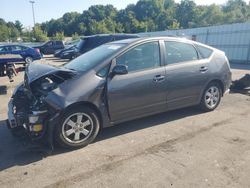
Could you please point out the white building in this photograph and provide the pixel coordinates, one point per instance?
(233, 39)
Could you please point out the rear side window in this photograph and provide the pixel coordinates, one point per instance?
(205, 52)
(178, 52)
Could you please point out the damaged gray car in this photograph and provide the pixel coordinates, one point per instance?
(114, 83)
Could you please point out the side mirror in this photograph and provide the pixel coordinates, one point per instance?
(120, 70)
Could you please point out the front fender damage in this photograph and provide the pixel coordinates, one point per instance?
(28, 110)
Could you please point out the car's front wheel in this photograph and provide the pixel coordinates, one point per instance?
(78, 128)
(211, 97)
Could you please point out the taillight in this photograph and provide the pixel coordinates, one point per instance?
(37, 50)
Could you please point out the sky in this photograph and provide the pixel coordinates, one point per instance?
(11, 10)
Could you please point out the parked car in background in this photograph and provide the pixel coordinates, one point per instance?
(50, 47)
(59, 53)
(27, 54)
(90, 42)
(72, 43)
(114, 83)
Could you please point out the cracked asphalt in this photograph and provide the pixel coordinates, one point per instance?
(184, 148)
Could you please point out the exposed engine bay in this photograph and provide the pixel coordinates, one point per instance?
(28, 109)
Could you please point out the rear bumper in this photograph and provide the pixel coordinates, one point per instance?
(37, 57)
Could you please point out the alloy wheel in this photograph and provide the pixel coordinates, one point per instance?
(77, 128)
(212, 97)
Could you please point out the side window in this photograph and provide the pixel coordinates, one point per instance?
(49, 43)
(16, 48)
(178, 52)
(3, 49)
(23, 47)
(145, 56)
(58, 43)
(205, 52)
(8, 48)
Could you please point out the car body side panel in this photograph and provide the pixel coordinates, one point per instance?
(219, 71)
(184, 83)
(85, 91)
(134, 94)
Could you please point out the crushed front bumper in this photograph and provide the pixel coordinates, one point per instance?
(12, 123)
(39, 126)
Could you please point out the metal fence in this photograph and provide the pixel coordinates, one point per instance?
(233, 39)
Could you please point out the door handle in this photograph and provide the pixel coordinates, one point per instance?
(203, 69)
(158, 78)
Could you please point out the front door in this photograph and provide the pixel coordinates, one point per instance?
(143, 90)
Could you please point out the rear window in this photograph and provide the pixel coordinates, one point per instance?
(205, 52)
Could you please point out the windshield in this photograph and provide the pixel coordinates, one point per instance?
(92, 58)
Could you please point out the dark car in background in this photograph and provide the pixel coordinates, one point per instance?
(59, 53)
(50, 47)
(114, 83)
(90, 42)
(26, 54)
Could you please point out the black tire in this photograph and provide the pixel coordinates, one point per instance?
(67, 141)
(204, 104)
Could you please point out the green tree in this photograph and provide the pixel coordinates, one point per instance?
(75, 36)
(174, 25)
(39, 35)
(58, 36)
(19, 26)
(4, 33)
(236, 11)
(145, 15)
(185, 13)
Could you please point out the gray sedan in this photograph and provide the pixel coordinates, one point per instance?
(114, 83)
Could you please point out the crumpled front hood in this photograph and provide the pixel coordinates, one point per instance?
(35, 71)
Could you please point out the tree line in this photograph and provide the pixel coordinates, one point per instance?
(144, 16)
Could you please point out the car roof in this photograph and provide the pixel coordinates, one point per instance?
(115, 34)
(134, 40)
(169, 38)
(12, 45)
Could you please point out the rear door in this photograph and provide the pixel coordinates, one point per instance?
(143, 90)
(186, 74)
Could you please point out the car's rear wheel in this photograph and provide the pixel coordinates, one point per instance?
(211, 97)
(78, 128)
(28, 59)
